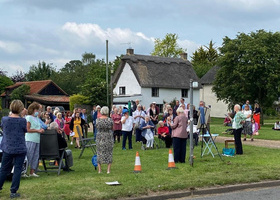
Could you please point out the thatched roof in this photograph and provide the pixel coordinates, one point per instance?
(162, 72)
(209, 77)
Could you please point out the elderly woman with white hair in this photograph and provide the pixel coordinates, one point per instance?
(104, 139)
(147, 128)
(139, 117)
(179, 135)
(237, 126)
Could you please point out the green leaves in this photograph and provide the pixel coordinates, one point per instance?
(167, 47)
(250, 68)
(19, 92)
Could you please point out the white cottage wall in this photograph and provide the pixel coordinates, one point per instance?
(218, 108)
(128, 80)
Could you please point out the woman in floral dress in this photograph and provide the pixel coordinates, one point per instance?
(104, 139)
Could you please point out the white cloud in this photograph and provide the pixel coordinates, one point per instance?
(189, 45)
(10, 47)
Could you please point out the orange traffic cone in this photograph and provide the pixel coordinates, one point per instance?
(137, 167)
(171, 163)
(56, 163)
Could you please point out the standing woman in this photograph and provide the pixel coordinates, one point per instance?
(32, 137)
(77, 121)
(127, 125)
(257, 114)
(139, 117)
(104, 139)
(67, 123)
(247, 126)
(154, 114)
(13, 146)
(179, 135)
(237, 124)
(61, 124)
(116, 117)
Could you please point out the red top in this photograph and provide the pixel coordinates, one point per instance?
(163, 129)
(116, 119)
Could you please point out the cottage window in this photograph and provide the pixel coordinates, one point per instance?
(121, 90)
(155, 92)
(184, 93)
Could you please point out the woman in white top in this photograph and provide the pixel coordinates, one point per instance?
(127, 125)
(138, 116)
(247, 126)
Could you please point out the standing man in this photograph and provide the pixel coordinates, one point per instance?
(204, 117)
(183, 102)
(84, 117)
(176, 107)
(248, 104)
(49, 110)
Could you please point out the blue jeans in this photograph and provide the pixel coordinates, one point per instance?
(127, 134)
(8, 160)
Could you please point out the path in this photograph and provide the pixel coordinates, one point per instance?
(274, 144)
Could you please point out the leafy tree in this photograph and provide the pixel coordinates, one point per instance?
(78, 99)
(42, 71)
(95, 86)
(19, 92)
(71, 76)
(167, 47)
(250, 68)
(18, 77)
(204, 59)
(88, 58)
(4, 82)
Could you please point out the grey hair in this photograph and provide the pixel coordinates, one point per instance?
(202, 102)
(160, 122)
(53, 125)
(180, 110)
(238, 106)
(104, 110)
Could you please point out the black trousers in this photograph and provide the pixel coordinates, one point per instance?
(237, 139)
(179, 147)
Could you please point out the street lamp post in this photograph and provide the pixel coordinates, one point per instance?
(192, 85)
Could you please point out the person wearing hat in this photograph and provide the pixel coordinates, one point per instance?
(127, 126)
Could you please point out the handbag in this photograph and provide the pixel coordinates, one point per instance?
(228, 151)
(72, 133)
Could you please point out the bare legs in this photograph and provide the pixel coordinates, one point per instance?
(108, 168)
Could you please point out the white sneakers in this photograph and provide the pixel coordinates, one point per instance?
(33, 175)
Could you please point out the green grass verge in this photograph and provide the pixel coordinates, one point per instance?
(85, 183)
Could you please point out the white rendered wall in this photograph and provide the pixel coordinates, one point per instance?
(128, 80)
(218, 108)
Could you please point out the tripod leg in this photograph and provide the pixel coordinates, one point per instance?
(215, 146)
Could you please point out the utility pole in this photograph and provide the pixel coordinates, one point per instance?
(107, 74)
(191, 122)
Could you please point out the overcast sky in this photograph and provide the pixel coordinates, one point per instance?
(57, 31)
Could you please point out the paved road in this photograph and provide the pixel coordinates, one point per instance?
(252, 194)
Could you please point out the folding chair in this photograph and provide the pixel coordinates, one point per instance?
(49, 150)
(86, 143)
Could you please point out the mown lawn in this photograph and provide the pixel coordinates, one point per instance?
(85, 183)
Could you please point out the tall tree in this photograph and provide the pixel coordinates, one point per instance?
(4, 82)
(95, 86)
(18, 77)
(71, 77)
(42, 71)
(204, 59)
(88, 58)
(167, 47)
(250, 68)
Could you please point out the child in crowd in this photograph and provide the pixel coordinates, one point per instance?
(255, 127)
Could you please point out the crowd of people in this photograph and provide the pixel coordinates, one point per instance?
(25, 126)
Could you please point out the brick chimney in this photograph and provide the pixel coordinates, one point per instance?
(184, 56)
(130, 51)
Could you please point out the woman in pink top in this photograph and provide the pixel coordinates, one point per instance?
(117, 127)
(179, 135)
